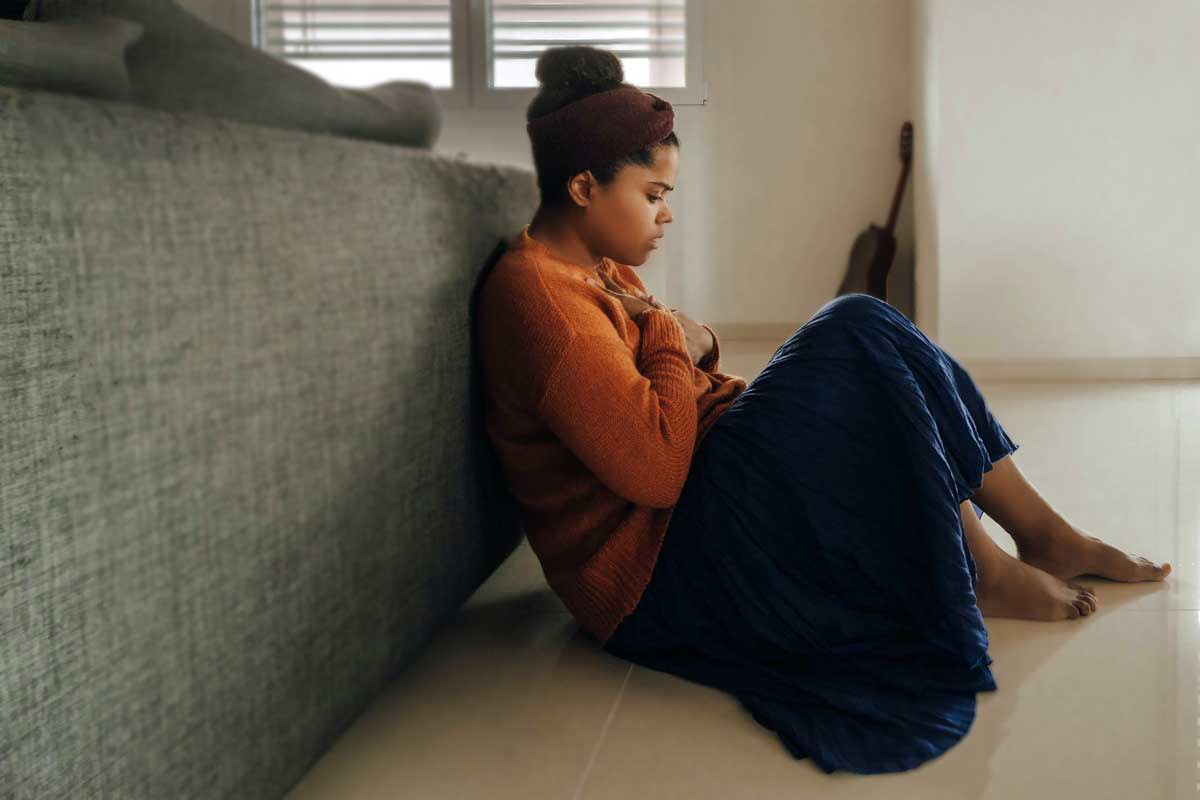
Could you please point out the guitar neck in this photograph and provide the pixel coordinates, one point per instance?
(895, 212)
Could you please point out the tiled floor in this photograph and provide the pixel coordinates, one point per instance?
(512, 701)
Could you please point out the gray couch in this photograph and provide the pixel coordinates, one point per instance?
(243, 471)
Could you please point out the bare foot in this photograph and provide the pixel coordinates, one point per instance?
(1066, 552)
(1008, 587)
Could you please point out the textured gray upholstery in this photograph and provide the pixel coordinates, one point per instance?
(243, 471)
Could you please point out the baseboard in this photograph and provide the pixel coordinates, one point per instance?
(1026, 369)
(1084, 369)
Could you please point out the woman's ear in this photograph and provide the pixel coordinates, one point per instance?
(580, 188)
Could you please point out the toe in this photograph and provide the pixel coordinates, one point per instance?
(1084, 597)
(1147, 570)
(1079, 587)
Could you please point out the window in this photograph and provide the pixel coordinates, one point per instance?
(483, 52)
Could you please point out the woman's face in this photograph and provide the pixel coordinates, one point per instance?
(625, 219)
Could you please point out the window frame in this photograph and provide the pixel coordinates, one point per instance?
(470, 64)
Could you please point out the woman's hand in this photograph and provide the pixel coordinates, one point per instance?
(606, 282)
(634, 304)
(699, 340)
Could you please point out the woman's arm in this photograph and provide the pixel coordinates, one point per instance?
(631, 422)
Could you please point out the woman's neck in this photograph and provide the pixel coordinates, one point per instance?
(562, 240)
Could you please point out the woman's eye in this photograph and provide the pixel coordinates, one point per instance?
(653, 197)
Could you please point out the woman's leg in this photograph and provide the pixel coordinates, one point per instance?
(1046, 540)
(1007, 587)
(1007, 497)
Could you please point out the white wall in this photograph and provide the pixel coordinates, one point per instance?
(1060, 168)
(796, 151)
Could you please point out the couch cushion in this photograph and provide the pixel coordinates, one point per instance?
(83, 55)
(184, 64)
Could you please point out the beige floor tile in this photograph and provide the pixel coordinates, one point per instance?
(1102, 707)
(509, 701)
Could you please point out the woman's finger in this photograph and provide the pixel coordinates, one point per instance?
(633, 305)
(612, 283)
(614, 288)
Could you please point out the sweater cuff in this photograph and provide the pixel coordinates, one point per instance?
(660, 329)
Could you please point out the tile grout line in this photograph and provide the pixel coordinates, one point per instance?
(612, 712)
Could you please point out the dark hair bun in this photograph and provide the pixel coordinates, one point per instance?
(579, 67)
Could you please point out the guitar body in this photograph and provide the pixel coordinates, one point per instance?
(874, 249)
(870, 259)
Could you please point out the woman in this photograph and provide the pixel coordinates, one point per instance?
(810, 543)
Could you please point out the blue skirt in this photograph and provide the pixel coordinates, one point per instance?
(815, 565)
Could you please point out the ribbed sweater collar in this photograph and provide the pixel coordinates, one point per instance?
(525, 240)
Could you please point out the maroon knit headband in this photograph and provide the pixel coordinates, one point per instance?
(599, 128)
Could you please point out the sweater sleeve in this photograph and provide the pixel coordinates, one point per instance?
(631, 422)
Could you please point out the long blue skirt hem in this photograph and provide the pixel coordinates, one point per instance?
(816, 565)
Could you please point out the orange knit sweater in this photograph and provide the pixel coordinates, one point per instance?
(595, 418)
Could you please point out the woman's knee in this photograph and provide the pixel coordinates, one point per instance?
(857, 305)
(854, 310)
(860, 302)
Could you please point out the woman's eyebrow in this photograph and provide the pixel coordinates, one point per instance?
(668, 186)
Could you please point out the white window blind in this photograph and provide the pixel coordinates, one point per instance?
(650, 38)
(482, 52)
(359, 43)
